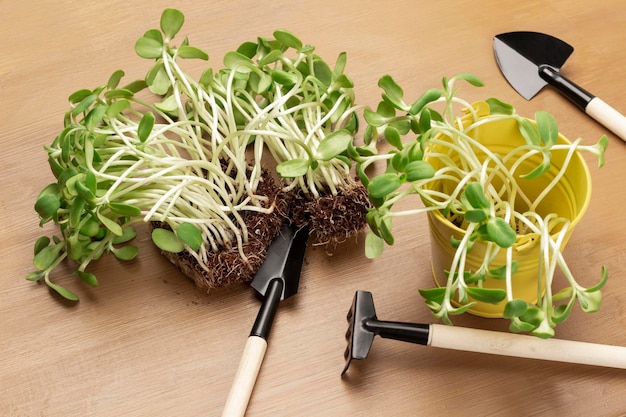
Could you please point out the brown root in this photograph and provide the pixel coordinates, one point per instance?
(332, 218)
(227, 266)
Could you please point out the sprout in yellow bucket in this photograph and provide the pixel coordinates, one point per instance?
(502, 194)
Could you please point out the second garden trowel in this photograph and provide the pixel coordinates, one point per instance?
(530, 60)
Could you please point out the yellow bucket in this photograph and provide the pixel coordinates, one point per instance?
(568, 199)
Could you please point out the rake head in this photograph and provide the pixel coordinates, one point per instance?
(364, 325)
(359, 337)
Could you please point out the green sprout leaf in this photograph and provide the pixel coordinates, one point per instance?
(171, 22)
(91, 181)
(84, 104)
(285, 78)
(238, 61)
(126, 253)
(544, 330)
(47, 256)
(340, 64)
(273, 56)
(136, 86)
(90, 229)
(117, 107)
(293, 168)
(169, 105)
(515, 308)
(84, 192)
(425, 121)
(500, 272)
(602, 144)
(154, 34)
(126, 210)
(500, 232)
(529, 131)
(603, 278)
(248, 49)
(148, 48)
(533, 315)
(462, 309)
(392, 135)
(62, 291)
(374, 119)
(35, 275)
(118, 93)
(145, 126)
(374, 245)
(47, 206)
(323, 72)
(94, 117)
(497, 106)
(519, 326)
(76, 211)
(79, 95)
(110, 224)
(476, 215)
(260, 82)
(384, 228)
(190, 235)
(540, 169)
(564, 294)
(333, 144)
(436, 295)
(167, 241)
(486, 295)
(384, 184)
(40, 244)
(475, 197)
(191, 52)
(114, 79)
(88, 278)
(428, 97)
(128, 234)
(470, 78)
(589, 301)
(288, 39)
(393, 93)
(547, 127)
(206, 79)
(418, 170)
(562, 312)
(399, 162)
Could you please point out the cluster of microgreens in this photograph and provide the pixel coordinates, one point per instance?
(419, 134)
(184, 160)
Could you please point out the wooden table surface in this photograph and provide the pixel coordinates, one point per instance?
(147, 343)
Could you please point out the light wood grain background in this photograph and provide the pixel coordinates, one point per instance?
(147, 343)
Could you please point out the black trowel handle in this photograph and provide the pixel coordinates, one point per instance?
(587, 102)
(253, 353)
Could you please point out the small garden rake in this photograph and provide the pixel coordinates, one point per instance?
(364, 325)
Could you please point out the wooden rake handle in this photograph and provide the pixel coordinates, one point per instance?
(506, 344)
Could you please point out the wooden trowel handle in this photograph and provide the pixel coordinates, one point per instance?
(607, 116)
(253, 353)
(245, 377)
(583, 99)
(506, 344)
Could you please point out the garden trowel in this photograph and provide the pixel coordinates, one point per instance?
(530, 60)
(277, 279)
